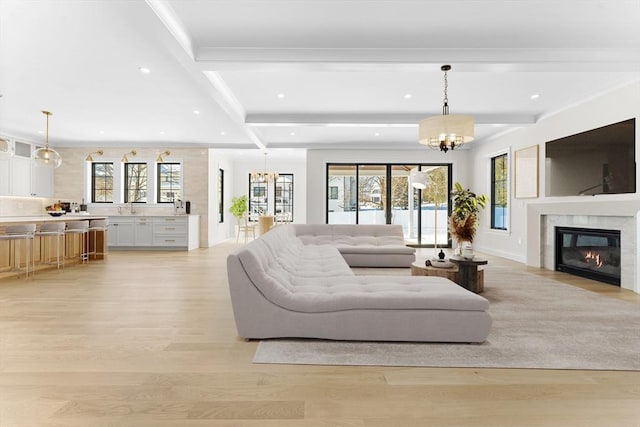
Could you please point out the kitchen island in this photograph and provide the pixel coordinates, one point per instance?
(69, 246)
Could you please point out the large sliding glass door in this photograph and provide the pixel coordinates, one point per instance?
(382, 194)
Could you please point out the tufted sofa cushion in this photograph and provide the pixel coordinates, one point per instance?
(362, 245)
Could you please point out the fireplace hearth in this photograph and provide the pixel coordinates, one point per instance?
(590, 253)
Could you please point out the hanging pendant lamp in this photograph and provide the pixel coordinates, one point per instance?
(45, 156)
(446, 132)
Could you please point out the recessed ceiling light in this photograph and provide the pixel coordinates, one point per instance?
(196, 112)
(281, 95)
(223, 133)
(41, 132)
(408, 96)
(292, 134)
(535, 96)
(144, 70)
(101, 132)
(376, 134)
(161, 132)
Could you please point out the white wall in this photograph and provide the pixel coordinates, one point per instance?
(220, 159)
(615, 106)
(317, 166)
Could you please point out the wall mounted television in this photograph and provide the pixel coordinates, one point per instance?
(598, 161)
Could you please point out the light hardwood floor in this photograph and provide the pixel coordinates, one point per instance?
(148, 339)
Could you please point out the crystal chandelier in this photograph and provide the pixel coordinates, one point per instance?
(446, 132)
(264, 176)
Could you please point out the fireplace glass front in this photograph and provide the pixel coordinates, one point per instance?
(590, 253)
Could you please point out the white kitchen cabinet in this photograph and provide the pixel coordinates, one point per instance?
(143, 231)
(19, 176)
(170, 231)
(5, 175)
(20, 182)
(41, 181)
(121, 231)
(155, 232)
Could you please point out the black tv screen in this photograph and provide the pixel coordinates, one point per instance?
(598, 161)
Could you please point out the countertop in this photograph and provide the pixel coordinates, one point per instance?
(48, 218)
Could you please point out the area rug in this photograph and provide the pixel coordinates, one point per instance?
(537, 323)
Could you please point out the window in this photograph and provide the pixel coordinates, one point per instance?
(258, 200)
(101, 182)
(499, 191)
(333, 192)
(169, 182)
(135, 183)
(284, 197)
(221, 195)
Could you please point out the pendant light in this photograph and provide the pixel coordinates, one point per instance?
(46, 156)
(446, 132)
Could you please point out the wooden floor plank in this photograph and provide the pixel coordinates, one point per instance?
(148, 339)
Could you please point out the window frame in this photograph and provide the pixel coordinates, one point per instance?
(125, 184)
(93, 176)
(158, 181)
(220, 195)
(290, 203)
(504, 186)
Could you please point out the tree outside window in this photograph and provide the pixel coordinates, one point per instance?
(101, 182)
(135, 181)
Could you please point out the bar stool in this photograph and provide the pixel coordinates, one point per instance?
(15, 233)
(96, 225)
(81, 228)
(47, 231)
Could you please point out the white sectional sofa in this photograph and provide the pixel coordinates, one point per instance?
(361, 245)
(281, 287)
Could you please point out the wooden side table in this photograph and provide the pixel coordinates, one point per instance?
(468, 273)
(419, 269)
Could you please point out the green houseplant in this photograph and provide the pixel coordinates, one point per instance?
(238, 207)
(466, 206)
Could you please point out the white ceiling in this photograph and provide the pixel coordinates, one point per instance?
(344, 67)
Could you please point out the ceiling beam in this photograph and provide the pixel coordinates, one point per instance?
(419, 59)
(355, 120)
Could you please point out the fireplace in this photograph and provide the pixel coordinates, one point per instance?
(590, 253)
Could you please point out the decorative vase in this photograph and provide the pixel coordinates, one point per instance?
(467, 251)
(458, 250)
(441, 255)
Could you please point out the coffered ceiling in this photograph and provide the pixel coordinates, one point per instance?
(301, 73)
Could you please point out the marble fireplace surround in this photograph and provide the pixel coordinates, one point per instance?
(611, 215)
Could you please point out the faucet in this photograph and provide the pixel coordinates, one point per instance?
(131, 208)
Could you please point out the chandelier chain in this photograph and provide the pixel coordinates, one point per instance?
(445, 105)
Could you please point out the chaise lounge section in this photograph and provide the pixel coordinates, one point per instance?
(281, 287)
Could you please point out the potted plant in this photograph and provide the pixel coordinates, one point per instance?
(466, 206)
(238, 207)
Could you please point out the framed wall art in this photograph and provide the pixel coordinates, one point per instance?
(526, 173)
